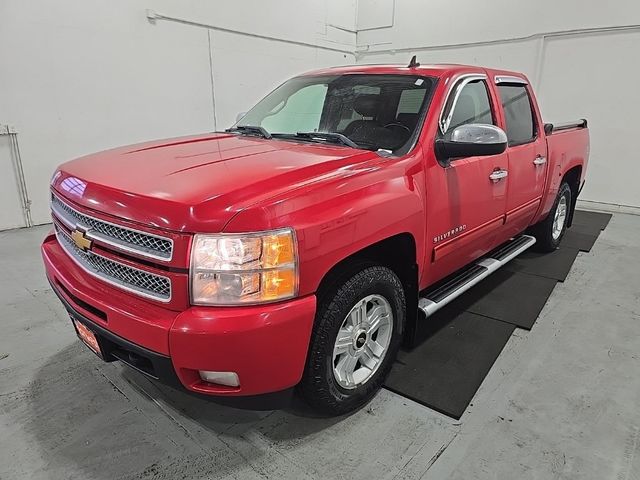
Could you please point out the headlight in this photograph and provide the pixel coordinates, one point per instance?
(232, 269)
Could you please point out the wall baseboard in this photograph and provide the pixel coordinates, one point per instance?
(607, 207)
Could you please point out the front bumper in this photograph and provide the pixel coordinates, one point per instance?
(265, 345)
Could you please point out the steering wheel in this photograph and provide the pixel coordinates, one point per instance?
(395, 124)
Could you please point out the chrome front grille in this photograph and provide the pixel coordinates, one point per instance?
(123, 238)
(138, 281)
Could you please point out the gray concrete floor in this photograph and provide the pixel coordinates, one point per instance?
(562, 401)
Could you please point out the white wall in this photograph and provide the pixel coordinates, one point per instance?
(11, 213)
(82, 76)
(575, 74)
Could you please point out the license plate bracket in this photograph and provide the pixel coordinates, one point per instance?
(88, 337)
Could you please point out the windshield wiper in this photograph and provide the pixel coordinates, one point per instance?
(250, 129)
(329, 136)
(321, 136)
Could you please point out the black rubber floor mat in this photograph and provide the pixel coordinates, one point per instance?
(446, 369)
(592, 229)
(583, 217)
(574, 238)
(516, 298)
(554, 265)
(456, 347)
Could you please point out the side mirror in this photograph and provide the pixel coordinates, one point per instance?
(471, 140)
(239, 116)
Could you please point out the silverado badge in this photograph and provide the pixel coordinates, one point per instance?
(80, 239)
(450, 233)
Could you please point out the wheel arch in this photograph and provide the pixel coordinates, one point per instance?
(398, 253)
(572, 178)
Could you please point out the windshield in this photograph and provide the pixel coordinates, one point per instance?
(366, 111)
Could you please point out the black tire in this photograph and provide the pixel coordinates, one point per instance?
(319, 387)
(544, 231)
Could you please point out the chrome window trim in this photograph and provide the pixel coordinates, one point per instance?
(93, 235)
(457, 84)
(510, 79)
(111, 281)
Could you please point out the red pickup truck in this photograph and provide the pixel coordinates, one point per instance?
(299, 247)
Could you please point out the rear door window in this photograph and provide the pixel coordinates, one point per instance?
(518, 113)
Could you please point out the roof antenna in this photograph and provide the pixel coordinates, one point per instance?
(413, 63)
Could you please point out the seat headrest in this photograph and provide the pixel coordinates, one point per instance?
(408, 119)
(367, 105)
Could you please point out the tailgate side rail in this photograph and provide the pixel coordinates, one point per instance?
(550, 128)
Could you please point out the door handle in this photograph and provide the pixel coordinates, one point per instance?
(498, 175)
(539, 160)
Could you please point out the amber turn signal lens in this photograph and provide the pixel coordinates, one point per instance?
(277, 250)
(278, 284)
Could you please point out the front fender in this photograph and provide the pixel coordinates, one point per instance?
(341, 216)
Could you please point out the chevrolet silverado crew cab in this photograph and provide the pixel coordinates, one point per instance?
(300, 247)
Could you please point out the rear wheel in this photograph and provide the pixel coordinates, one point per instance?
(356, 337)
(550, 231)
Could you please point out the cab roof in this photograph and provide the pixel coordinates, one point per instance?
(433, 70)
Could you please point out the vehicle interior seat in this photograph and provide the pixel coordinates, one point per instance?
(370, 131)
(367, 106)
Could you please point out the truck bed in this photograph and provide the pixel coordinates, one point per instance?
(567, 148)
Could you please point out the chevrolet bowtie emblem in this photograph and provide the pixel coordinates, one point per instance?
(80, 239)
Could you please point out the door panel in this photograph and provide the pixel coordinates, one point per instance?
(526, 183)
(466, 212)
(466, 207)
(527, 156)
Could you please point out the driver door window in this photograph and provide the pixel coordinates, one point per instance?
(472, 106)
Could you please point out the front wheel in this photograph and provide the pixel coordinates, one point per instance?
(356, 337)
(550, 231)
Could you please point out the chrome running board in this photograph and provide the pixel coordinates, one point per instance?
(440, 296)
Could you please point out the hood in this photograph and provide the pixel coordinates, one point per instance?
(197, 184)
